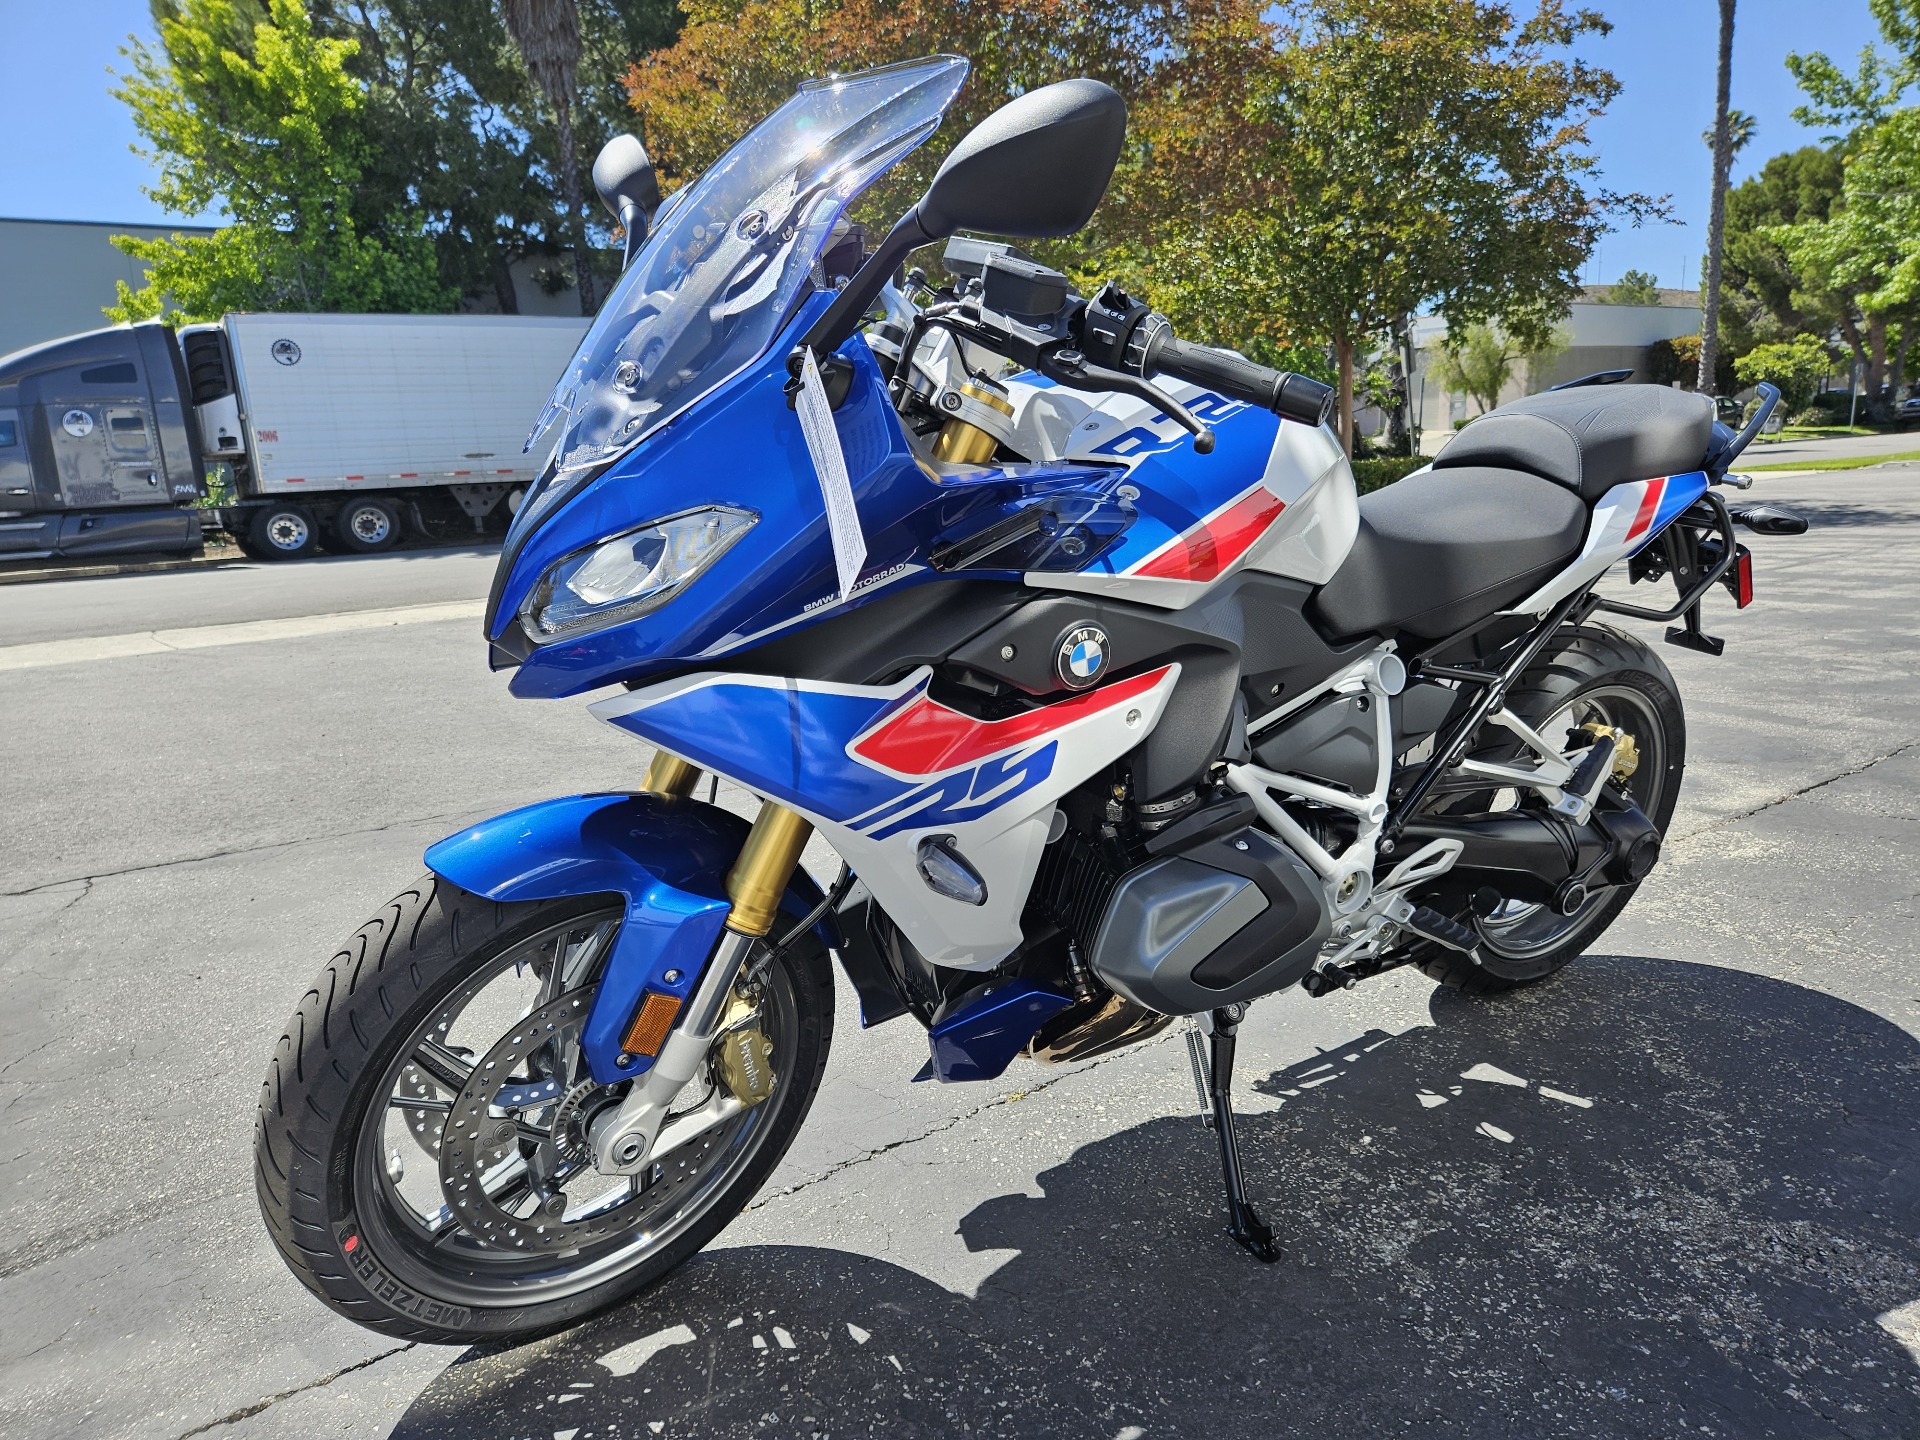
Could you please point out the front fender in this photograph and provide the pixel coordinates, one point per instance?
(667, 858)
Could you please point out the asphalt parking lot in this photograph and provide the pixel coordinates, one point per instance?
(1674, 1191)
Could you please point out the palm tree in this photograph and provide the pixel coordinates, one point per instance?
(1717, 218)
(547, 33)
(1741, 128)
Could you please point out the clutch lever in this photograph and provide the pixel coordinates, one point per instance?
(1070, 367)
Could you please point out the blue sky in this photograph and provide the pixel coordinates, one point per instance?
(69, 157)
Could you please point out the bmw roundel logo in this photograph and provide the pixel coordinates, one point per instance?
(1082, 656)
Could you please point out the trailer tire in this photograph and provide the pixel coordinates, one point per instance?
(284, 531)
(366, 525)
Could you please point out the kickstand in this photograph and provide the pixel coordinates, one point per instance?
(1242, 1224)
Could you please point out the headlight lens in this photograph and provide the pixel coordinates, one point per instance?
(632, 574)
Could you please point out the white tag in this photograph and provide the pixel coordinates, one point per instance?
(823, 444)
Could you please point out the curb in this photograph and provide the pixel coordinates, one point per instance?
(135, 567)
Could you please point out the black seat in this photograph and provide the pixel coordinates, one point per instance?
(1444, 548)
(1592, 438)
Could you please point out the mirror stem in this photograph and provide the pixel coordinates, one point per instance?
(843, 317)
(634, 221)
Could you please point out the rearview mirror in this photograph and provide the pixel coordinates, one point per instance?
(624, 176)
(1037, 166)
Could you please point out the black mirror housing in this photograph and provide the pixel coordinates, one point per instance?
(1038, 166)
(624, 178)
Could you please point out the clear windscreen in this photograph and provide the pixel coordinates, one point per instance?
(731, 253)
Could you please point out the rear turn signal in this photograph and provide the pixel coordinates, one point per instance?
(651, 1021)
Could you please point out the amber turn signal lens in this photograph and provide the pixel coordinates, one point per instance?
(651, 1022)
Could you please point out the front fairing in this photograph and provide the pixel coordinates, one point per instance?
(743, 447)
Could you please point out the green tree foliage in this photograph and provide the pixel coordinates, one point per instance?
(249, 108)
(1636, 287)
(1799, 366)
(466, 135)
(1481, 361)
(1678, 360)
(1335, 164)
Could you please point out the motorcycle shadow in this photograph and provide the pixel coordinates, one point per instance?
(1646, 1199)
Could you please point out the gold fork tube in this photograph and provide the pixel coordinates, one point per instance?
(670, 775)
(759, 877)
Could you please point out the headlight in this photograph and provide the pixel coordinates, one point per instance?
(632, 574)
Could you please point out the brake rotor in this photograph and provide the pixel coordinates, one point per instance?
(482, 1143)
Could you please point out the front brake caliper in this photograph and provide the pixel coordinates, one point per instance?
(743, 1056)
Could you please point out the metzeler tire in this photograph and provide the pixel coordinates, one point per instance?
(326, 1073)
(1606, 670)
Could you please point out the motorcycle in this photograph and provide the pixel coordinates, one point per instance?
(1072, 639)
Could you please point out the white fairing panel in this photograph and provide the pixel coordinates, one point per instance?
(878, 769)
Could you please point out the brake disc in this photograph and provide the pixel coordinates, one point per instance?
(486, 1152)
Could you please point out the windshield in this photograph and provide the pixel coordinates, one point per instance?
(709, 290)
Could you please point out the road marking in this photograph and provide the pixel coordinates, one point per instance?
(246, 632)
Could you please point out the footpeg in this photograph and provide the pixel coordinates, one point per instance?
(1432, 925)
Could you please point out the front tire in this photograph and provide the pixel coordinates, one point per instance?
(1588, 674)
(355, 1110)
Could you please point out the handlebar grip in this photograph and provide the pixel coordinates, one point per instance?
(1286, 394)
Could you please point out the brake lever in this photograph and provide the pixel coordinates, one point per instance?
(1070, 367)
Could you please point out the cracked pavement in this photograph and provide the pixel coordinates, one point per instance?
(1722, 1239)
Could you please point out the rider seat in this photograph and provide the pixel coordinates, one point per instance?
(1590, 439)
(1444, 548)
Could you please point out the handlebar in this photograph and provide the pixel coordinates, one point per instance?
(1118, 331)
(1288, 395)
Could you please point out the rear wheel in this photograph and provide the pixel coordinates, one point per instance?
(1591, 676)
(424, 1205)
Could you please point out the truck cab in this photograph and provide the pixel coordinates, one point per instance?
(98, 454)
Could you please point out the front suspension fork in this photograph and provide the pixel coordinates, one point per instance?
(623, 1139)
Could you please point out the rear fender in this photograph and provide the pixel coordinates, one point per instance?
(667, 858)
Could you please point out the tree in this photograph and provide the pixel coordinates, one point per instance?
(1717, 212)
(1360, 160)
(1741, 128)
(547, 33)
(1799, 367)
(735, 61)
(1636, 287)
(465, 135)
(1677, 361)
(251, 109)
(1481, 362)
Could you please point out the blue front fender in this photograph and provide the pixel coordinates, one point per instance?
(666, 858)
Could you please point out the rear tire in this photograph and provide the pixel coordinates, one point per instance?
(336, 1223)
(1592, 669)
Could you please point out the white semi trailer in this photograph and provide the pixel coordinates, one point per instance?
(342, 431)
(350, 431)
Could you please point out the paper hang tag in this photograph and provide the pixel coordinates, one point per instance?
(823, 444)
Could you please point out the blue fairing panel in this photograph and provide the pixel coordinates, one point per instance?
(667, 858)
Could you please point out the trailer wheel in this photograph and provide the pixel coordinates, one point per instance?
(284, 532)
(367, 524)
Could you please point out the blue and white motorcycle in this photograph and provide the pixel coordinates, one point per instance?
(1072, 640)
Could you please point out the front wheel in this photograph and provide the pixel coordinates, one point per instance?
(424, 1205)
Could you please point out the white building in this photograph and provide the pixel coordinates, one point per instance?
(1605, 337)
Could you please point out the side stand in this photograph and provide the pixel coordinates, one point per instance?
(1242, 1224)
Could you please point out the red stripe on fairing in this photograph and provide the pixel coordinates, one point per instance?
(1649, 507)
(1207, 549)
(927, 738)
